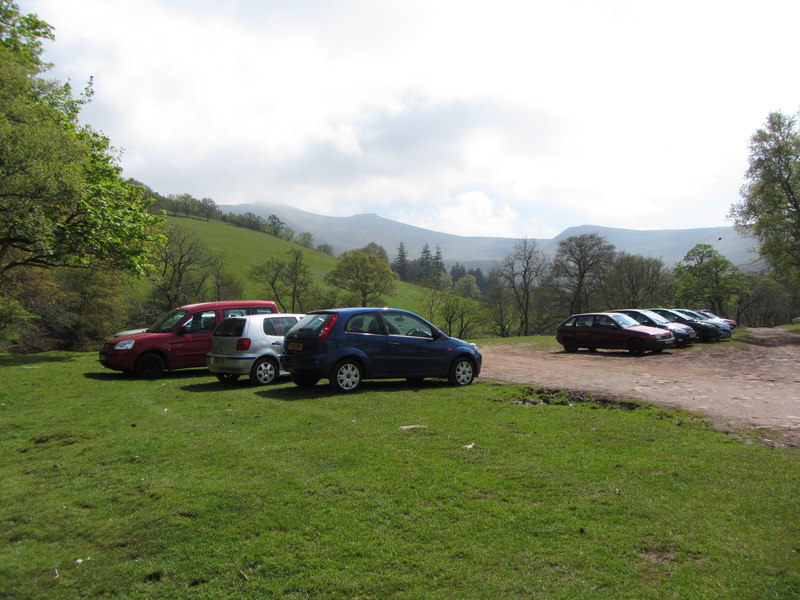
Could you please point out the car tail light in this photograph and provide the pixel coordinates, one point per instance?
(325, 330)
(243, 344)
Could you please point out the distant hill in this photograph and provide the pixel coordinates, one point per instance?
(347, 233)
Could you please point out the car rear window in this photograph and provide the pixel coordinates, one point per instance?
(312, 322)
(230, 328)
(278, 325)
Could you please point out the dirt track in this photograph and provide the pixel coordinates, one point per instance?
(750, 386)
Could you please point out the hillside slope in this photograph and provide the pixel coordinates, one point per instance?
(242, 249)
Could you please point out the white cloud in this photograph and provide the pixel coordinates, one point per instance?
(532, 116)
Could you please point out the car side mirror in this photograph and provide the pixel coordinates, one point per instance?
(436, 334)
(182, 330)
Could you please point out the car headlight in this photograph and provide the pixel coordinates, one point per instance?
(124, 345)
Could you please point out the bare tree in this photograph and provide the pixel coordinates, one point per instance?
(184, 269)
(522, 272)
(635, 281)
(288, 281)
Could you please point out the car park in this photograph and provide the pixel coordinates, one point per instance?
(348, 345)
(683, 333)
(725, 330)
(179, 339)
(249, 345)
(611, 330)
(707, 331)
(710, 314)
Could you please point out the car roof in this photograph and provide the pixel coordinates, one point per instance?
(354, 310)
(265, 316)
(229, 304)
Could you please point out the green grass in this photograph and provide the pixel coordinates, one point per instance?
(185, 488)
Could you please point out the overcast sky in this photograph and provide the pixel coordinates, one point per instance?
(487, 117)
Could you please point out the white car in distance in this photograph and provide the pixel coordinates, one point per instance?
(249, 345)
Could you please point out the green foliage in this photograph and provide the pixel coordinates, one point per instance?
(91, 305)
(63, 201)
(363, 273)
(182, 488)
(770, 206)
(705, 278)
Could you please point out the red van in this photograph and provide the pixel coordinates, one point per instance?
(178, 340)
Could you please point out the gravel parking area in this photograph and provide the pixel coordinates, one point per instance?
(753, 386)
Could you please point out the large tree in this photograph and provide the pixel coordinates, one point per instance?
(706, 279)
(770, 206)
(579, 267)
(63, 200)
(635, 281)
(363, 273)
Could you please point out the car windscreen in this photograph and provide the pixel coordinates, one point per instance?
(230, 328)
(624, 320)
(168, 321)
(655, 317)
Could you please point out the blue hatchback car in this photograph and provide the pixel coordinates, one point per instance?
(349, 345)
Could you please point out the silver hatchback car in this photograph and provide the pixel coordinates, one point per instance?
(249, 345)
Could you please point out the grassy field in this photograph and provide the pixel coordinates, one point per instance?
(242, 249)
(186, 488)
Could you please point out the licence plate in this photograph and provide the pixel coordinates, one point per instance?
(215, 360)
(294, 346)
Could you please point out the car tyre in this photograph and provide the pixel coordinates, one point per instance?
(636, 347)
(305, 380)
(150, 366)
(462, 371)
(570, 345)
(264, 371)
(227, 377)
(346, 376)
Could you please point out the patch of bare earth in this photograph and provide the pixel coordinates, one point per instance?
(755, 385)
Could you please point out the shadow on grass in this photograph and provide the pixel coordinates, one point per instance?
(23, 360)
(321, 390)
(184, 374)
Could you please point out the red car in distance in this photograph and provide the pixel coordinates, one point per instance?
(613, 331)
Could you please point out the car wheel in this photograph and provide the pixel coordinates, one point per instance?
(305, 380)
(570, 345)
(150, 366)
(264, 371)
(636, 346)
(462, 371)
(227, 377)
(346, 376)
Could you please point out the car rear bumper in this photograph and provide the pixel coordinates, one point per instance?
(234, 365)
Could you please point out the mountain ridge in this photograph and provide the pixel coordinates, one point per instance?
(356, 231)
